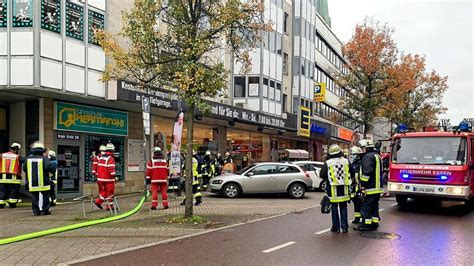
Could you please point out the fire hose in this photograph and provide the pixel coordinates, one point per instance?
(57, 230)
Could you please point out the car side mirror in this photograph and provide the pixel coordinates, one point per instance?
(249, 174)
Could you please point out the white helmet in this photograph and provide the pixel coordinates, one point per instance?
(194, 152)
(366, 143)
(334, 149)
(102, 148)
(208, 152)
(15, 146)
(37, 145)
(356, 150)
(227, 154)
(51, 153)
(157, 149)
(110, 147)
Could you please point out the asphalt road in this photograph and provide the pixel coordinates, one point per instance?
(426, 233)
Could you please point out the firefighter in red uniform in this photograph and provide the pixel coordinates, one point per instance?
(106, 177)
(156, 176)
(95, 161)
(10, 176)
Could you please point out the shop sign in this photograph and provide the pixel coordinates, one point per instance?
(68, 136)
(96, 22)
(51, 15)
(345, 134)
(320, 129)
(74, 19)
(304, 122)
(3, 13)
(81, 118)
(22, 12)
(319, 92)
(160, 98)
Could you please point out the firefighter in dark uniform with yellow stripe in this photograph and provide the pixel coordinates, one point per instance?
(371, 185)
(197, 176)
(338, 173)
(356, 161)
(38, 169)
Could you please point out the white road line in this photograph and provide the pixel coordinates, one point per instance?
(323, 231)
(279, 247)
(395, 204)
(381, 210)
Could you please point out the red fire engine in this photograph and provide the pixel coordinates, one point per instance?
(433, 164)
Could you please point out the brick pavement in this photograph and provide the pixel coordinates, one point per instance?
(142, 228)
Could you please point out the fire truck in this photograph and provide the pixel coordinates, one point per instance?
(432, 164)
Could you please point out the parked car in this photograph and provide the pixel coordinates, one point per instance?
(263, 178)
(313, 168)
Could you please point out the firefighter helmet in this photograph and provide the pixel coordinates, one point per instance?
(157, 150)
(356, 150)
(334, 149)
(37, 145)
(102, 148)
(51, 153)
(366, 143)
(110, 147)
(208, 152)
(15, 146)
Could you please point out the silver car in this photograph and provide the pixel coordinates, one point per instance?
(263, 178)
(313, 168)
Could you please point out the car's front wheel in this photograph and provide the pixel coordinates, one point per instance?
(231, 190)
(297, 191)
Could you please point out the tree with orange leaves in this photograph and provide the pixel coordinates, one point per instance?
(370, 55)
(177, 44)
(415, 95)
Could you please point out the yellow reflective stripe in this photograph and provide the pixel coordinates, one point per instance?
(333, 176)
(372, 191)
(40, 174)
(12, 165)
(339, 199)
(377, 171)
(346, 169)
(29, 170)
(357, 215)
(364, 178)
(4, 165)
(346, 191)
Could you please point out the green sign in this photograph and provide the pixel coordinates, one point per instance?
(22, 13)
(74, 20)
(51, 15)
(3, 13)
(81, 118)
(96, 22)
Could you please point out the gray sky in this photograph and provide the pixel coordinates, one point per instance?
(440, 29)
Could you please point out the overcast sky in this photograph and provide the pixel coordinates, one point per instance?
(440, 29)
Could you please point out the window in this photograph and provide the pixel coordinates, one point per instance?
(239, 86)
(285, 23)
(278, 44)
(285, 63)
(284, 110)
(278, 92)
(296, 62)
(254, 83)
(271, 42)
(264, 170)
(297, 27)
(265, 87)
(287, 169)
(272, 90)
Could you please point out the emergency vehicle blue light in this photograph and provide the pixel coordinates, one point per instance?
(443, 177)
(402, 128)
(405, 176)
(463, 126)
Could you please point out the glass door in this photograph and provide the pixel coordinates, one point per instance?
(68, 169)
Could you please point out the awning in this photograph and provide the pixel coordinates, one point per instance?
(295, 154)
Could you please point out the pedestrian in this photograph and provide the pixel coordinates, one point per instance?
(218, 164)
(338, 174)
(196, 182)
(38, 169)
(206, 169)
(356, 161)
(53, 178)
(106, 177)
(156, 176)
(10, 176)
(371, 185)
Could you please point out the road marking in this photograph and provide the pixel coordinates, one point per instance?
(395, 204)
(381, 210)
(323, 231)
(279, 247)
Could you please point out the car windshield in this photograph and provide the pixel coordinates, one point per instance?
(430, 150)
(243, 170)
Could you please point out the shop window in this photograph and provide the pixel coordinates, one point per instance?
(93, 143)
(239, 86)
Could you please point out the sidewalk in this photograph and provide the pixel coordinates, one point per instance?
(144, 227)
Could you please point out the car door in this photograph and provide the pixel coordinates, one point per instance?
(316, 170)
(260, 179)
(286, 174)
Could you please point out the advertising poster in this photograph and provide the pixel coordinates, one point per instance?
(136, 155)
(3, 13)
(51, 15)
(175, 167)
(22, 13)
(96, 22)
(74, 20)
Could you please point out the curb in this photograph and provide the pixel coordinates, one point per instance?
(179, 238)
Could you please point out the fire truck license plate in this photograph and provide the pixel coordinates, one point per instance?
(424, 189)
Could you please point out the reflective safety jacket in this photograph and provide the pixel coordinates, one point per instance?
(196, 174)
(371, 178)
(339, 174)
(157, 171)
(10, 168)
(106, 168)
(95, 164)
(37, 169)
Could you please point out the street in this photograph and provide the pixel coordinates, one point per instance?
(424, 233)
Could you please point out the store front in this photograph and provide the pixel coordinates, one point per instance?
(79, 130)
(320, 137)
(3, 128)
(343, 137)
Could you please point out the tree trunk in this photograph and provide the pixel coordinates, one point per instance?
(188, 210)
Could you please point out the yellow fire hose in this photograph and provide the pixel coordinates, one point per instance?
(52, 231)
